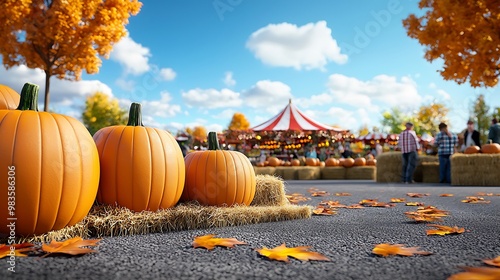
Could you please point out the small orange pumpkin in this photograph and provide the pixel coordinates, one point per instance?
(295, 162)
(9, 98)
(321, 163)
(311, 162)
(53, 162)
(331, 162)
(472, 150)
(360, 162)
(273, 161)
(219, 178)
(492, 148)
(371, 162)
(348, 162)
(142, 167)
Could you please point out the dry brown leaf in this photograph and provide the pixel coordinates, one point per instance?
(475, 199)
(398, 200)
(324, 211)
(427, 214)
(343, 194)
(209, 242)
(73, 246)
(477, 273)
(493, 262)
(417, 194)
(446, 195)
(320, 193)
(295, 198)
(375, 203)
(332, 203)
(355, 206)
(414, 203)
(281, 253)
(397, 249)
(18, 249)
(444, 230)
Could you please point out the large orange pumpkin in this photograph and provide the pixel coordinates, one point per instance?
(274, 161)
(492, 148)
(472, 150)
(311, 162)
(331, 162)
(9, 98)
(295, 162)
(371, 162)
(348, 162)
(219, 178)
(360, 162)
(52, 163)
(142, 167)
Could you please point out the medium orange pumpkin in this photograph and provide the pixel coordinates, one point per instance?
(9, 98)
(492, 148)
(219, 178)
(331, 162)
(371, 162)
(53, 162)
(321, 163)
(274, 161)
(348, 162)
(311, 162)
(142, 167)
(472, 150)
(260, 164)
(295, 162)
(360, 162)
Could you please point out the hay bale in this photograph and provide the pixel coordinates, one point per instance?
(290, 173)
(418, 175)
(269, 191)
(118, 221)
(389, 166)
(333, 172)
(475, 170)
(360, 173)
(309, 173)
(430, 172)
(278, 171)
(267, 170)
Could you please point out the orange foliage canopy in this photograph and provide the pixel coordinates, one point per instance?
(465, 36)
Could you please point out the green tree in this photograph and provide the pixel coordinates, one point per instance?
(480, 111)
(496, 113)
(62, 37)
(428, 117)
(101, 111)
(394, 120)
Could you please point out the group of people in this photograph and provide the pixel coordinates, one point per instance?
(447, 144)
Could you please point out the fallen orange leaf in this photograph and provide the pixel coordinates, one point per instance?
(332, 203)
(446, 194)
(375, 203)
(281, 253)
(475, 199)
(18, 249)
(312, 189)
(484, 194)
(71, 246)
(444, 230)
(320, 193)
(354, 206)
(324, 211)
(209, 242)
(417, 194)
(494, 262)
(397, 249)
(477, 273)
(414, 204)
(342, 194)
(295, 198)
(427, 214)
(398, 200)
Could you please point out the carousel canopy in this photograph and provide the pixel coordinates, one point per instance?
(291, 118)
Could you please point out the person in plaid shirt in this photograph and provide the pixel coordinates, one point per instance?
(447, 144)
(408, 144)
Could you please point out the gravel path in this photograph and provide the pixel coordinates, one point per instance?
(347, 238)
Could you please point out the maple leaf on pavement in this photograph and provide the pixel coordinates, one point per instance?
(281, 253)
(397, 249)
(71, 246)
(475, 199)
(444, 230)
(477, 273)
(446, 195)
(5, 250)
(409, 203)
(209, 242)
(398, 200)
(324, 211)
(494, 262)
(320, 193)
(342, 194)
(417, 194)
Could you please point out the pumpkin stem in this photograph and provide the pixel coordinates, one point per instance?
(213, 142)
(29, 97)
(135, 115)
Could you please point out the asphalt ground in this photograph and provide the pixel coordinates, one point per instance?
(347, 238)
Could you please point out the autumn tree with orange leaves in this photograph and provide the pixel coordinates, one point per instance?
(465, 34)
(239, 122)
(62, 37)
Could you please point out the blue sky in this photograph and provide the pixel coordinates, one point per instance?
(192, 62)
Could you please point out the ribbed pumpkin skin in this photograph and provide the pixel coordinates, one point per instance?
(219, 178)
(56, 170)
(9, 98)
(493, 148)
(142, 168)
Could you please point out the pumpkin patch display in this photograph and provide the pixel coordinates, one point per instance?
(52, 163)
(9, 98)
(217, 177)
(142, 167)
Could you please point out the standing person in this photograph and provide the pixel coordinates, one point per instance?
(446, 143)
(471, 136)
(408, 144)
(494, 133)
(378, 149)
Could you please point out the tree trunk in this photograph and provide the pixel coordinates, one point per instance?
(47, 87)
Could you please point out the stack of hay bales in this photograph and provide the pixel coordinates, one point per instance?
(426, 168)
(389, 166)
(333, 173)
(266, 170)
(475, 170)
(309, 173)
(360, 173)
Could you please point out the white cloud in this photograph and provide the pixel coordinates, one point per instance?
(167, 74)
(287, 45)
(225, 114)
(444, 95)
(270, 95)
(132, 55)
(315, 100)
(228, 79)
(125, 84)
(154, 109)
(211, 98)
(382, 90)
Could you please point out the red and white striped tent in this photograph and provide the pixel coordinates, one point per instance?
(291, 118)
